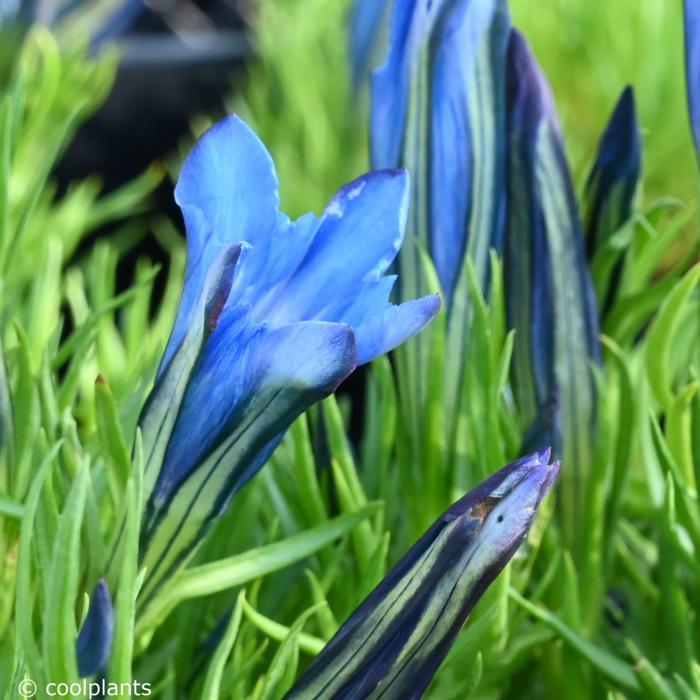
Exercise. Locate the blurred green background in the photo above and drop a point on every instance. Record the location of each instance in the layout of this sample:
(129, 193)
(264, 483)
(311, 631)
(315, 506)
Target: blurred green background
(590, 49)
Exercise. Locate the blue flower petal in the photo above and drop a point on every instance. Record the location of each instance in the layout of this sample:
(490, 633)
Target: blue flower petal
(228, 192)
(95, 638)
(233, 415)
(241, 361)
(379, 333)
(358, 237)
(447, 61)
(410, 21)
(450, 153)
(454, 132)
(160, 412)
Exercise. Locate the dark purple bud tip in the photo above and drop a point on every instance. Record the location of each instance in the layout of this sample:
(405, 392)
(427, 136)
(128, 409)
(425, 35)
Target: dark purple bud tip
(95, 639)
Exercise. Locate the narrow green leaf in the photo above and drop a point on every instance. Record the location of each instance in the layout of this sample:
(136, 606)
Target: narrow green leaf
(675, 631)
(129, 582)
(240, 569)
(661, 336)
(679, 432)
(215, 672)
(10, 508)
(282, 670)
(60, 630)
(654, 684)
(610, 666)
(307, 643)
(24, 588)
(111, 437)
(326, 620)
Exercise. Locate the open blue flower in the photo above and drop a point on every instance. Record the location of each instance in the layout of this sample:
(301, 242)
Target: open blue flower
(274, 314)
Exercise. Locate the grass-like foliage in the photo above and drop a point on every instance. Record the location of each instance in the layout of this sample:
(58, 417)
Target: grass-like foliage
(601, 599)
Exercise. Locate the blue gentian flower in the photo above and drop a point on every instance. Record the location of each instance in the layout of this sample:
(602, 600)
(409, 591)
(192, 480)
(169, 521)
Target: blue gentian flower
(274, 314)
(549, 293)
(438, 109)
(692, 66)
(393, 644)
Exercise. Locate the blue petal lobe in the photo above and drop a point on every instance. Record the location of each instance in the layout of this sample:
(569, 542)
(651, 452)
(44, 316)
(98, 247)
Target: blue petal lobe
(409, 23)
(451, 150)
(228, 192)
(358, 237)
(455, 78)
(242, 361)
(381, 332)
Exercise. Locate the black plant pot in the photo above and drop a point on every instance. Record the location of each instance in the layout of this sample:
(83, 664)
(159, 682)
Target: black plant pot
(165, 77)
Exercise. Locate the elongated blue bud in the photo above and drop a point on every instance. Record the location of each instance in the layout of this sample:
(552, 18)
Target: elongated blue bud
(95, 639)
(438, 110)
(610, 190)
(613, 180)
(549, 294)
(393, 644)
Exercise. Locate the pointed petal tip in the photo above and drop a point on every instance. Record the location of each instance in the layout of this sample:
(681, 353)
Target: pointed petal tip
(627, 97)
(529, 93)
(230, 142)
(388, 187)
(346, 339)
(549, 478)
(545, 455)
(625, 113)
(395, 325)
(431, 306)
